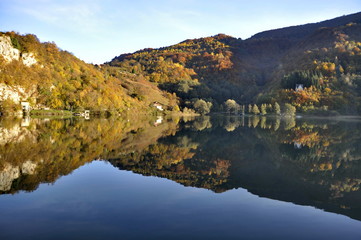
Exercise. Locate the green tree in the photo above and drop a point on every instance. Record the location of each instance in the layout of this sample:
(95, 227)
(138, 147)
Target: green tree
(232, 106)
(289, 110)
(277, 108)
(202, 107)
(250, 111)
(263, 109)
(255, 109)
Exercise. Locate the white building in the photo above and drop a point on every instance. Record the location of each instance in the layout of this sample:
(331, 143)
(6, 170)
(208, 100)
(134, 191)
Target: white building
(25, 106)
(299, 87)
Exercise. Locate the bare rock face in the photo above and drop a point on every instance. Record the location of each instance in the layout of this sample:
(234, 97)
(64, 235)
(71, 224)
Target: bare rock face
(7, 50)
(28, 59)
(10, 53)
(15, 93)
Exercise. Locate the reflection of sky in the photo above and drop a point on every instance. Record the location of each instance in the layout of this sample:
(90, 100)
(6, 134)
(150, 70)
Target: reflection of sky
(98, 30)
(99, 201)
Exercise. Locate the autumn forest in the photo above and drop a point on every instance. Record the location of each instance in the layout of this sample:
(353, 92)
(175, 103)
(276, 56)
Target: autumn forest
(309, 69)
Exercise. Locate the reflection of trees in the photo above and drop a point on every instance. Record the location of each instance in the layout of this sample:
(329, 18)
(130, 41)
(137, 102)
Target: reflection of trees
(263, 123)
(255, 121)
(339, 188)
(277, 124)
(305, 138)
(289, 123)
(231, 123)
(186, 142)
(327, 157)
(46, 150)
(323, 171)
(201, 123)
(176, 162)
(312, 163)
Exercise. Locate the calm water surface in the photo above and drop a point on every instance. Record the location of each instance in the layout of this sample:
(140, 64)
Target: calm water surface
(203, 178)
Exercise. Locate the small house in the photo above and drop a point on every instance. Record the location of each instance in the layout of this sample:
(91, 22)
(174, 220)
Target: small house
(299, 87)
(25, 106)
(158, 106)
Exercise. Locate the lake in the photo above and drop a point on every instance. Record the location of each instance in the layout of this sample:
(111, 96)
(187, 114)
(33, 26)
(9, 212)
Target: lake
(196, 178)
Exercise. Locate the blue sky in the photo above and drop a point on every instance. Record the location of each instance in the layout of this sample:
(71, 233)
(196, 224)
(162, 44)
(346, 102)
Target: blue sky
(98, 30)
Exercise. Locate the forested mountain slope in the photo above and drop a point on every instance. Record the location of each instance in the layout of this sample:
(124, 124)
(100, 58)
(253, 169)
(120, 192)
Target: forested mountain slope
(324, 57)
(48, 77)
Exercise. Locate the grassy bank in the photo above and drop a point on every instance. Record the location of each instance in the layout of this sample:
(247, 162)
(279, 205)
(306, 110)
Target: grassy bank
(50, 113)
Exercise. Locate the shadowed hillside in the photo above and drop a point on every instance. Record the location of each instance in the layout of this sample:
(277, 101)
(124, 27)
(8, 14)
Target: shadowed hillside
(323, 57)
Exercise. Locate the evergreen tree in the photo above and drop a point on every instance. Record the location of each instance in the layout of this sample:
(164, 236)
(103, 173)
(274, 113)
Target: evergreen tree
(263, 109)
(289, 110)
(255, 109)
(277, 109)
(250, 111)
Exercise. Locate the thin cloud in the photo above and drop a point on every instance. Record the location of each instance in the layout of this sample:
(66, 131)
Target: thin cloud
(84, 16)
(177, 21)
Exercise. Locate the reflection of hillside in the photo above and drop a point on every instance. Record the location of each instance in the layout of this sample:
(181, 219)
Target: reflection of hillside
(297, 161)
(46, 150)
(171, 160)
(310, 163)
(11, 131)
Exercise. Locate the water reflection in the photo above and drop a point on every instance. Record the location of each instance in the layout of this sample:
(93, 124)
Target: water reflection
(43, 150)
(308, 162)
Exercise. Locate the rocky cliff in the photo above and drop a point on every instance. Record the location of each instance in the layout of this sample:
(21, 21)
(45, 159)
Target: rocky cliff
(14, 93)
(9, 53)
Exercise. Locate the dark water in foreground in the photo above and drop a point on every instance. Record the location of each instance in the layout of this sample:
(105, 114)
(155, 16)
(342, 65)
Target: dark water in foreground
(253, 178)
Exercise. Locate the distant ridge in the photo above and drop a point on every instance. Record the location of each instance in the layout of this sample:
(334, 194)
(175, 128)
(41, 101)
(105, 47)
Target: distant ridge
(302, 31)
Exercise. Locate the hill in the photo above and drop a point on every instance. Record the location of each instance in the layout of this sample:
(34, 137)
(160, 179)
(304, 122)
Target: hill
(322, 57)
(47, 77)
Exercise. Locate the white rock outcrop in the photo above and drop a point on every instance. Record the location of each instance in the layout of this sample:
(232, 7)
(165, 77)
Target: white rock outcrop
(7, 50)
(14, 93)
(28, 59)
(10, 53)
